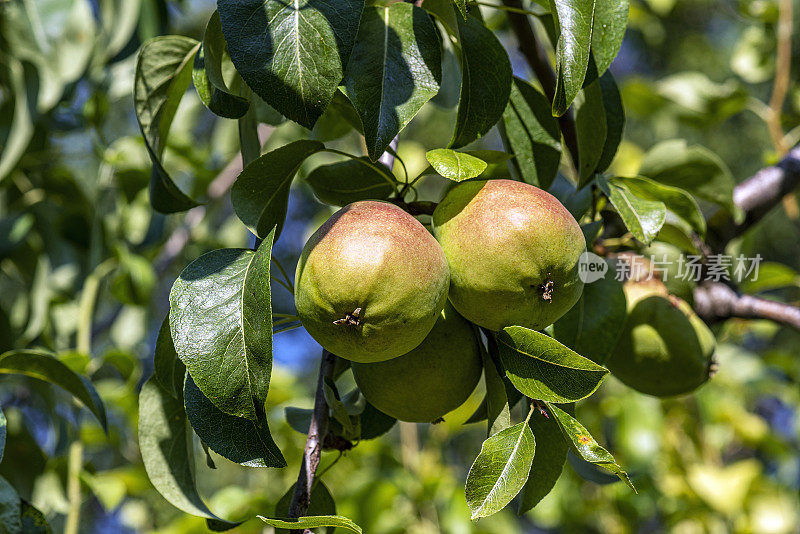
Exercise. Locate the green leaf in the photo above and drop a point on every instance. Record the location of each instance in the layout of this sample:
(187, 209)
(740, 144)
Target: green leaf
(485, 81)
(584, 445)
(608, 29)
(32, 520)
(10, 511)
(548, 461)
(45, 366)
(644, 218)
(590, 123)
(166, 447)
(339, 410)
(292, 54)
(573, 20)
(207, 74)
(168, 369)
(498, 407)
(533, 134)
(692, 168)
(500, 470)
(221, 322)
(375, 423)
(615, 120)
(593, 325)
(260, 195)
(676, 200)
(322, 503)
(542, 368)
(312, 522)
(19, 122)
(770, 276)
(240, 440)
(349, 181)
(3, 432)
(395, 67)
(163, 73)
(457, 166)
(462, 7)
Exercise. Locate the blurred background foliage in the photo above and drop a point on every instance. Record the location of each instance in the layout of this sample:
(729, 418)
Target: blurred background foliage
(86, 266)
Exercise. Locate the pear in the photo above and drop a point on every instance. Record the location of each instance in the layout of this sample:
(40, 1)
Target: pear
(433, 379)
(370, 282)
(513, 251)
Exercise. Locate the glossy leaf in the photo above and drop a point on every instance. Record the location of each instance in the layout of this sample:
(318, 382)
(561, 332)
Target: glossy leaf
(548, 461)
(349, 181)
(584, 445)
(692, 168)
(312, 522)
(166, 448)
(500, 470)
(593, 325)
(457, 166)
(608, 29)
(44, 366)
(676, 200)
(485, 81)
(168, 369)
(590, 123)
(10, 511)
(221, 322)
(573, 20)
(395, 67)
(644, 218)
(292, 54)
(163, 73)
(614, 118)
(322, 503)
(533, 134)
(542, 368)
(207, 74)
(260, 195)
(240, 440)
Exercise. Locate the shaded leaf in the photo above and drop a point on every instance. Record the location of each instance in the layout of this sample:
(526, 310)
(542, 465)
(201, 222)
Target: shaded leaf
(593, 325)
(573, 20)
(44, 366)
(221, 323)
(322, 503)
(395, 67)
(260, 195)
(548, 461)
(375, 423)
(168, 370)
(542, 368)
(3, 432)
(500, 470)
(456, 166)
(615, 120)
(590, 123)
(533, 134)
(485, 81)
(584, 445)
(608, 29)
(676, 200)
(240, 440)
(312, 522)
(163, 73)
(339, 410)
(32, 520)
(644, 218)
(166, 448)
(349, 181)
(19, 122)
(291, 54)
(207, 74)
(692, 168)
(10, 510)
(498, 407)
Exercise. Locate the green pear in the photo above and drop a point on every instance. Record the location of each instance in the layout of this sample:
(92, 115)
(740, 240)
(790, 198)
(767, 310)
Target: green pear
(433, 379)
(513, 251)
(370, 282)
(665, 349)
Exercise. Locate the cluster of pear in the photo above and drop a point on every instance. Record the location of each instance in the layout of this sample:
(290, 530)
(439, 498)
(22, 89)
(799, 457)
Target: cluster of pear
(665, 349)
(372, 286)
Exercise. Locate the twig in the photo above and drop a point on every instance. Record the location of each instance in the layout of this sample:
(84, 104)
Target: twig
(74, 466)
(783, 65)
(301, 498)
(540, 65)
(715, 301)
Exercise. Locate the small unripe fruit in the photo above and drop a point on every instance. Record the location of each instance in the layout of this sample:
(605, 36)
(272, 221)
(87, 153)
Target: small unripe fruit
(513, 251)
(665, 349)
(370, 282)
(433, 379)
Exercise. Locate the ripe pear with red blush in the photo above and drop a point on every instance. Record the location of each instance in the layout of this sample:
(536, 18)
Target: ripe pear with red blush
(513, 251)
(370, 282)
